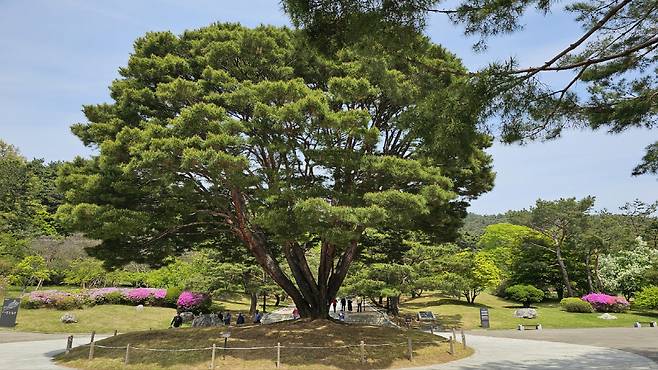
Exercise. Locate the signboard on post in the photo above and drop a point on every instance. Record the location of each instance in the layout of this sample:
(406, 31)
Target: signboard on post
(9, 312)
(426, 316)
(484, 317)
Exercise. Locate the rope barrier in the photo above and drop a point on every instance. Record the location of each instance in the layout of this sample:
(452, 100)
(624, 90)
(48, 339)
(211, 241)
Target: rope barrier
(261, 347)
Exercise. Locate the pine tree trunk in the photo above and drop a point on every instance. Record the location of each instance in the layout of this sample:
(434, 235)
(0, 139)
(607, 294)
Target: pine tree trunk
(563, 270)
(253, 303)
(394, 305)
(590, 283)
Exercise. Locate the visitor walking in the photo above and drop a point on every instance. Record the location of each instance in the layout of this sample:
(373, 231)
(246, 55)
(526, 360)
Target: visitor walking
(177, 321)
(343, 303)
(349, 304)
(333, 303)
(240, 319)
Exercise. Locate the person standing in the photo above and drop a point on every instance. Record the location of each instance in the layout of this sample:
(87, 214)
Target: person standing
(334, 302)
(240, 319)
(257, 317)
(359, 304)
(295, 314)
(177, 321)
(343, 303)
(227, 318)
(349, 304)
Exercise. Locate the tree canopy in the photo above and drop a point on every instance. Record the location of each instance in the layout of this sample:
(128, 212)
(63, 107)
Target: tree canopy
(227, 133)
(611, 66)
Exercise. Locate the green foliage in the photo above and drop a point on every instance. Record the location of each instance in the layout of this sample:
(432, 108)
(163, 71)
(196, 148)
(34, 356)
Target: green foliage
(86, 272)
(573, 304)
(175, 274)
(251, 135)
(525, 294)
(469, 274)
(647, 298)
(172, 296)
(29, 270)
(68, 303)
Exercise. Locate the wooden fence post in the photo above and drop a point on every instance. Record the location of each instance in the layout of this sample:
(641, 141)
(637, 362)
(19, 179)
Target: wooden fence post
(454, 333)
(115, 332)
(69, 343)
(452, 345)
(463, 339)
(363, 352)
(410, 349)
(278, 355)
(93, 335)
(91, 351)
(126, 360)
(212, 360)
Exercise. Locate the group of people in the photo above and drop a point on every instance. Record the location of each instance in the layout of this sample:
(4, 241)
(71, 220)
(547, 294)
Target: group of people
(177, 321)
(346, 304)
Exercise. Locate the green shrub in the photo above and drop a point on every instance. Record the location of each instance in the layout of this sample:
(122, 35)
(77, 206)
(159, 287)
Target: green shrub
(525, 294)
(114, 298)
(28, 303)
(68, 303)
(171, 299)
(573, 304)
(647, 298)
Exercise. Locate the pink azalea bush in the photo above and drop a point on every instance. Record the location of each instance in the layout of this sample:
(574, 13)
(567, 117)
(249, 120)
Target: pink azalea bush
(606, 303)
(192, 301)
(111, 295)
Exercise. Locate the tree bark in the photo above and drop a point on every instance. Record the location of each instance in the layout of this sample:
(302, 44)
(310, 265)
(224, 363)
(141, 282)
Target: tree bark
(310, 297)
(563, 270)
(394, 303)
(253, 303)
(590, 283)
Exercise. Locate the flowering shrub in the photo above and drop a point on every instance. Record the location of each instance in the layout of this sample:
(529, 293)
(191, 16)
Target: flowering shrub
(54, 299)
(66, 301)
(194, 302)
(606, 303)
(149, 296)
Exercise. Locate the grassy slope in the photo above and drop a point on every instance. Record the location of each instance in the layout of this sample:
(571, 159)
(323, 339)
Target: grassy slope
(459, 313)
(106, 318)
(300, 333)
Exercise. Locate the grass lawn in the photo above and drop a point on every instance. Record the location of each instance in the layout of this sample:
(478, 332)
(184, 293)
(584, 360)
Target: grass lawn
(453, 312)
(322, 333)
(107, 318)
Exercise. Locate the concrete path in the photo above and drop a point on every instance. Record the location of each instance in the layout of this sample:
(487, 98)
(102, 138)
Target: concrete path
(35, 353)
(642, 341)
(504, 353)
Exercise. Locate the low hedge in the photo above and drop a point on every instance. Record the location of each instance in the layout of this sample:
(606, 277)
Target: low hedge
(576, 305)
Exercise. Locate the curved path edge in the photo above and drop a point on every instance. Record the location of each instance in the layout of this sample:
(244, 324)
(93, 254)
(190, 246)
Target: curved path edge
(506, 353)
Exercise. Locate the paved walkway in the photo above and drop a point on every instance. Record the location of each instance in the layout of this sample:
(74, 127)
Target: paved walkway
(29, 351)
(493, 353)
(642, 341)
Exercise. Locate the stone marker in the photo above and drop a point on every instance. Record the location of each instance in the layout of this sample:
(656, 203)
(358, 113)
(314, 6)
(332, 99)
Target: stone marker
(140, 307)
(68, 318)
(607, 316)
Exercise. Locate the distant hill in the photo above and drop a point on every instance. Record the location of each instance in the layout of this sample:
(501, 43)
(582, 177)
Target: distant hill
(475, 224)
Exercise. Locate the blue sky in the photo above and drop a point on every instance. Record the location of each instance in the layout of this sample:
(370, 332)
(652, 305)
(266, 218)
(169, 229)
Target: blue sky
(59, 55)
